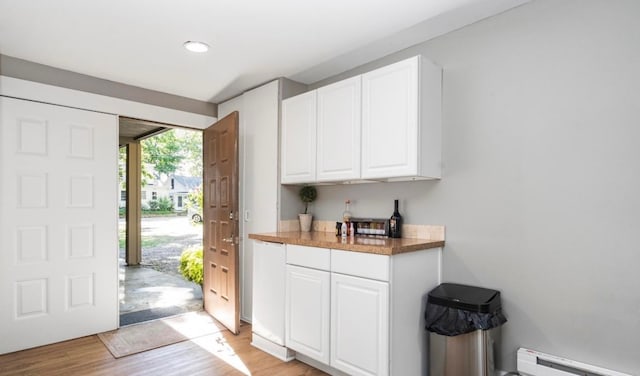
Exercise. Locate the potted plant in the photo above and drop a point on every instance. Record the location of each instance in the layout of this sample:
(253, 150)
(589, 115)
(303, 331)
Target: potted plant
(307, 194)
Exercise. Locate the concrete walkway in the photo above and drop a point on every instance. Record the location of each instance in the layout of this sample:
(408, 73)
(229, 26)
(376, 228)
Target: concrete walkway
(144, 288)
(155, 288)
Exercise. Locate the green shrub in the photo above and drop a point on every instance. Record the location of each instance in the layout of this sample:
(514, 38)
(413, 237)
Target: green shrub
(165, 204)
(194, 198)
(191, 264)
(153, 205)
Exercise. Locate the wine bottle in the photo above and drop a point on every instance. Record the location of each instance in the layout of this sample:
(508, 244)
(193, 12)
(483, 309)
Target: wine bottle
(346, 214)
(395, 223)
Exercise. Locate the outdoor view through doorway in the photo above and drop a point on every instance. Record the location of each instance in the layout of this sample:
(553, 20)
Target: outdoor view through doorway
(170, 227)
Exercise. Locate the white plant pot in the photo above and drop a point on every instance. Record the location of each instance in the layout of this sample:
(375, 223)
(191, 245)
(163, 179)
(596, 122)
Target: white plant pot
(305, 222)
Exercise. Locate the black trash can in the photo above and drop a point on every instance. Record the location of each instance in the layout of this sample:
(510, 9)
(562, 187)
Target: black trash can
(467, 316)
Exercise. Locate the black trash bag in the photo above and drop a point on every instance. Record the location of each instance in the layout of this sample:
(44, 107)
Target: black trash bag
(451, 321)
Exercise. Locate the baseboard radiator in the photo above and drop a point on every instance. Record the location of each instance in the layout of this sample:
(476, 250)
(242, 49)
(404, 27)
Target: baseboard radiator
(534, 363)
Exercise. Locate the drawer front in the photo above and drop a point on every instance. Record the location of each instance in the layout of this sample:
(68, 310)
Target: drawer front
(366, 265)
(310, 257)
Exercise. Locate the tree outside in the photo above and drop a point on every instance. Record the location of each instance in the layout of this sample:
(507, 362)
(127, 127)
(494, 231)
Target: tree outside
(171, 171)
(176, 150)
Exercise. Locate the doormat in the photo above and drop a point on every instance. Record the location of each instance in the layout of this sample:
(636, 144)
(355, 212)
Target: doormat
(149, 314)
(150, 335)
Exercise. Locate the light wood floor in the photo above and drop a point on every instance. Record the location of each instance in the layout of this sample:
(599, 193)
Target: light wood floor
(214, 354)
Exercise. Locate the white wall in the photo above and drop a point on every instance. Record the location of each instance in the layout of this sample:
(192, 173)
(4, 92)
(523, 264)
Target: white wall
(540, 193)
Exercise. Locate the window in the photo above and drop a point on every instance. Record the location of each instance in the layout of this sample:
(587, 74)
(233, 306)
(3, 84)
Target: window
(144, 195)
(154, 195)
(179, 201)
(123, 195)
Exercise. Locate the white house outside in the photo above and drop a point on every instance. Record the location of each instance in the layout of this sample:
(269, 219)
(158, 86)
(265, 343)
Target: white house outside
(174, 187)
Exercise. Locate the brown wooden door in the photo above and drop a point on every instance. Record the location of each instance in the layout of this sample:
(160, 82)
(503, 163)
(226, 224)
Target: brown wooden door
(220, 216)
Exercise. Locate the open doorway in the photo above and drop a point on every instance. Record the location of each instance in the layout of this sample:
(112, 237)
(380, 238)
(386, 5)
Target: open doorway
(160, 194)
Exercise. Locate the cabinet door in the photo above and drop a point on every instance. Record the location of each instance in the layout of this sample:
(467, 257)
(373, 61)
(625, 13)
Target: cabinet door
(390, 119)
(307, 312)
(359, 325)
(268, 291)
(298, 159)
(339, 124)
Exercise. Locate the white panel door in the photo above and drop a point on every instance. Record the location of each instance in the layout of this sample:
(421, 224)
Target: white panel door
(298, 144)
(307, 312)
(390, 119)
(359, 325)
(58, 222)
(339, 109)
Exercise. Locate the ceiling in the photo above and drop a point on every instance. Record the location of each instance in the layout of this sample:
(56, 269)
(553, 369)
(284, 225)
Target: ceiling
(137, 130)
(140, 42)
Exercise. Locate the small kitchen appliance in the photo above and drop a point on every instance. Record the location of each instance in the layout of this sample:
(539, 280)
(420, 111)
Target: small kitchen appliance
(375, 227)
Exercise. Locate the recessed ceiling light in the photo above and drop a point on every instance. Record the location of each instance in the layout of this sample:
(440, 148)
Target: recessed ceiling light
(195, 46)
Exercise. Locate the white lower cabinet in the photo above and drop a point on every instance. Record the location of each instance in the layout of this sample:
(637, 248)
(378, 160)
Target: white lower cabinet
(352, 311)
(359, 313)
(307, 312)
(268, 284)
(359, 325)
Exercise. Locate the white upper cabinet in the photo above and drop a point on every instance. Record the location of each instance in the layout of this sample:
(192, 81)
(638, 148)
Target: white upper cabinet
(401, 121)
(338, 142)
(298, 158)
(384, 125)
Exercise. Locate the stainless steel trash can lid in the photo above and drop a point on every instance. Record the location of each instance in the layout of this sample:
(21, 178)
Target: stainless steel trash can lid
(468, 298)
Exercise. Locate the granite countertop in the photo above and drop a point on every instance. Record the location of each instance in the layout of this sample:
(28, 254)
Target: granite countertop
(382, 246)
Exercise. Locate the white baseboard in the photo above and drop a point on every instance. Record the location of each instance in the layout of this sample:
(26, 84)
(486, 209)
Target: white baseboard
(269, 347)
(321, 366)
